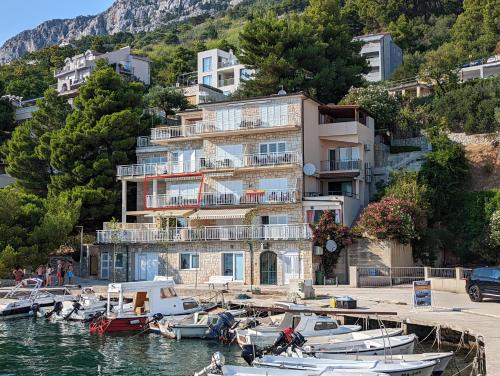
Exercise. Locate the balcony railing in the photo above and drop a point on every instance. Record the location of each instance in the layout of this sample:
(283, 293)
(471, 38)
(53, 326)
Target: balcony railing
(204, 127)
(251, 160)
(227, 63)
(353, 164)
(154, 169)
(209, 233)
(226, 82)
(253, 197)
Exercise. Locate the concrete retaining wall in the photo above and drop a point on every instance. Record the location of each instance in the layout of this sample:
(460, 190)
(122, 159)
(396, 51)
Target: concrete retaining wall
(466, 139)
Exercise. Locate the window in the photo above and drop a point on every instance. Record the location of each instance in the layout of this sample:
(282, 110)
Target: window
(228, 118)
(189, 305)
(155, 160)
(119, 260)
(274, 114)
(185, 190)
(314, 215)
(230, 154)
(190, 261)
(245, 74)
(274, 219)
(207, 80)
(207, 65)
(167, 292)
(272, 147)
(232, 265)
(274, 184)
(325, 326)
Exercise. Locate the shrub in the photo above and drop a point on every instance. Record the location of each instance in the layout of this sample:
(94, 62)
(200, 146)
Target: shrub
(404, 149)
(391, 218)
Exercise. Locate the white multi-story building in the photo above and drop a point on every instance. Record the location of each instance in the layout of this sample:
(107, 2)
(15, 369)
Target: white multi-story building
(481, 69)
(221, 70)
(233, 189)
(382, 54)
(78, 68)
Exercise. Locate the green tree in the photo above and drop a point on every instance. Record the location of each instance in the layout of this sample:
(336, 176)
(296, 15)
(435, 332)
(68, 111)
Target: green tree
(167, 99)
(312, 52)
(182, 60)
(405, 185)
(99, 135)
(28, 153)
(6, 119)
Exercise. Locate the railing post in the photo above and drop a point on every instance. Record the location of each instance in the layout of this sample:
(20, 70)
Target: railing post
(353, 276)
(459, 272)
(427, 272)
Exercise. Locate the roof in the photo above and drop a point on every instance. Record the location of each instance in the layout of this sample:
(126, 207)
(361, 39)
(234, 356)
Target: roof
(374, 35)
(169, 213)
(220, 213)
(344, 106)
(262, 97)
(158, 282)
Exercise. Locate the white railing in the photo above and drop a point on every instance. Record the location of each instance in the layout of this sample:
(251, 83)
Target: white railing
(129, 226)
(155, 169)
(226, 82)
(331, 165)
(204, 127)
(167, 200)
(209, 233)
(251, 160)
(380, 276)
(144, 142)
(443, 272)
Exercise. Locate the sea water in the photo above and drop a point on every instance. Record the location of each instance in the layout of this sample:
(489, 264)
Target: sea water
(38, 347)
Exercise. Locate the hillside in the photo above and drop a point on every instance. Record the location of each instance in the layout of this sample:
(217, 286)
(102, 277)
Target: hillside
(124, 15)
(485, 166)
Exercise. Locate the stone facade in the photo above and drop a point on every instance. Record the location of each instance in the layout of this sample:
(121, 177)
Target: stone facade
(467, 139)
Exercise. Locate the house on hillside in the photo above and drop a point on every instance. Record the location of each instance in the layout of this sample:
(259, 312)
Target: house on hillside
(382, 54)
(233, 189)
(483, 68)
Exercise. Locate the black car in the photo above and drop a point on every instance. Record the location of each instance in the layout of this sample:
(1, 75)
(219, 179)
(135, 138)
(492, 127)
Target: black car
(483, 283)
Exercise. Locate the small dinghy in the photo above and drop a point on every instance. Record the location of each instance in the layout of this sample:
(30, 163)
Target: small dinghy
(442, 359)
(380, 346)
(203, 325)
(390, 367)
(217, 367)
(355, 336)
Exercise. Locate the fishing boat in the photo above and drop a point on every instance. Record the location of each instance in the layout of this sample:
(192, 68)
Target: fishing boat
(199, 325)
(379, 346)
(20, 300)
(217, 367)
(442, 359)
(87, 307)
(308, 324)
(390, 367)
(152, 300)
(355, 336)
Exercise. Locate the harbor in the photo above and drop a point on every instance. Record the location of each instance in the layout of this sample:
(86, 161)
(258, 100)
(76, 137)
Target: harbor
(453, 324)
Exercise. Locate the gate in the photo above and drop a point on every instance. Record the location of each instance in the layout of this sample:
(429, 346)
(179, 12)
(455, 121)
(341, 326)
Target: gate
(382, 276)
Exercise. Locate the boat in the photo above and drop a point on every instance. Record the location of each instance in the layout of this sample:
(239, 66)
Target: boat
(152, 301)
(442, 359)
(199, 325)
(29, 293)
(356, 336)
(308, 324)
(390, 367)
(379, 346)
(86, 308)
(217, 367)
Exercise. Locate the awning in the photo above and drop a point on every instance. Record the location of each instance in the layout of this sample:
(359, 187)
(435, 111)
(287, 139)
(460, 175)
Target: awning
(169, 213)
(220, 213)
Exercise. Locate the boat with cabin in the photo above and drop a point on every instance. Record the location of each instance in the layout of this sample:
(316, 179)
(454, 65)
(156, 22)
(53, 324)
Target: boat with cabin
(152, 300)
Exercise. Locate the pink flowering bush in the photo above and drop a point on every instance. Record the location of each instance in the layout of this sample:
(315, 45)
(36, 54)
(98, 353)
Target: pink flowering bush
(391, 218)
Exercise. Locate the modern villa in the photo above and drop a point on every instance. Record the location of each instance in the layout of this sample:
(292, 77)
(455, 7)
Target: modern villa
(231, 191)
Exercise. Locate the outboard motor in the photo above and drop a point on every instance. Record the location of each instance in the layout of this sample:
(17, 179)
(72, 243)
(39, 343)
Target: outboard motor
(58, 306)
(215, 367)
(157, 317)
(35, 308)
(221, 328)
(76, 307)
(286, 338)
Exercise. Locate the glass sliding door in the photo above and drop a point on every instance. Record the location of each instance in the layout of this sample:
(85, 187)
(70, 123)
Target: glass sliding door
(233, 265)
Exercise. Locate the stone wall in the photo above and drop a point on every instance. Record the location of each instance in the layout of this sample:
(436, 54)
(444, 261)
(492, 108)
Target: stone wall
(420, 142)
(467, 139)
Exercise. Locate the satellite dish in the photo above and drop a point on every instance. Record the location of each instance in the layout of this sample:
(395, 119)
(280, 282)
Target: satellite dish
(309, 169)
(331, 246)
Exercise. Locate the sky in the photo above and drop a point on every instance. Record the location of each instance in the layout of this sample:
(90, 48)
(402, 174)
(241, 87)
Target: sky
(16, 16)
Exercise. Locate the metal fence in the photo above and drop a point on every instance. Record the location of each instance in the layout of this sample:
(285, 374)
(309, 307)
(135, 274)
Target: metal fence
(389, 276)
(443, 272)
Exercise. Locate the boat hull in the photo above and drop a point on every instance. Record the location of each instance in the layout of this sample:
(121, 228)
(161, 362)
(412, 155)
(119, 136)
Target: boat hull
(119, 324)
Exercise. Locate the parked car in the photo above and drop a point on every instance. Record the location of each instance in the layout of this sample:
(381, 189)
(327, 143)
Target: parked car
(483, 283)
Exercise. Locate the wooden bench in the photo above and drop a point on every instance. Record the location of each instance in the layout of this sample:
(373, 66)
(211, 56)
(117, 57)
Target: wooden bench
(223, 280)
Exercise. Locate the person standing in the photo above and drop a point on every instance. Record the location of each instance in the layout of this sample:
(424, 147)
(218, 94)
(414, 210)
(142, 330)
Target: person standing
(69, 268)
(60, 275)
(18, 274)
(40, 273)
(48, 275)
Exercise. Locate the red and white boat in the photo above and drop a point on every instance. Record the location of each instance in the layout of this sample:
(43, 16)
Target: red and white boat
(152, 300)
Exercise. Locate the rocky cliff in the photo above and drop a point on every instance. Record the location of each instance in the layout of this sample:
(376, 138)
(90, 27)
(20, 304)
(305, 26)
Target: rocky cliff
(124, 15)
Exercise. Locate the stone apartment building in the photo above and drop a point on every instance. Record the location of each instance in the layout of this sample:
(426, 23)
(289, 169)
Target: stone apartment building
(233, 189)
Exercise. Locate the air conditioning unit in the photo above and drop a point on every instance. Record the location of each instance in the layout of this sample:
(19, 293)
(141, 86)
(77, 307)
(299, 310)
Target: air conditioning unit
(265, 246)
(368, 147)
(317, 250)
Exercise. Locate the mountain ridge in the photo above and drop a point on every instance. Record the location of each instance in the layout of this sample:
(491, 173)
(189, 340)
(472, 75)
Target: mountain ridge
(123, 15)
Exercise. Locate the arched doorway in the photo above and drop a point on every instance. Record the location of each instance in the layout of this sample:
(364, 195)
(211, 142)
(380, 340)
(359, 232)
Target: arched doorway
(268, 268)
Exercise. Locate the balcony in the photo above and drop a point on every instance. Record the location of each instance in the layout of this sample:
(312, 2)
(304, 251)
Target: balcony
(155, 169)
(346, 165)
(251, 160)
(206, 129)
(299, 231)
(226, 82)
(207, 199)
(227, 63)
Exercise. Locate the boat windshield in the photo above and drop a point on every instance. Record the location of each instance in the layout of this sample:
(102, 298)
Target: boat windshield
(167, 292)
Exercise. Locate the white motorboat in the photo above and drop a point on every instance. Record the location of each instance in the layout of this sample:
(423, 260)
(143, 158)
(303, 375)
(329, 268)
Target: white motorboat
(442, 359)
(20, 300)
(217, 367)
(197, 325)
(152, 301)
(390, 367)
(355, 336)
(379, 346)
(86, 308)
(310, 325)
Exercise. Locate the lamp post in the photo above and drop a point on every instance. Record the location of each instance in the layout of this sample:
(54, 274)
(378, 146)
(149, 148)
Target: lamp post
(81, 248)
